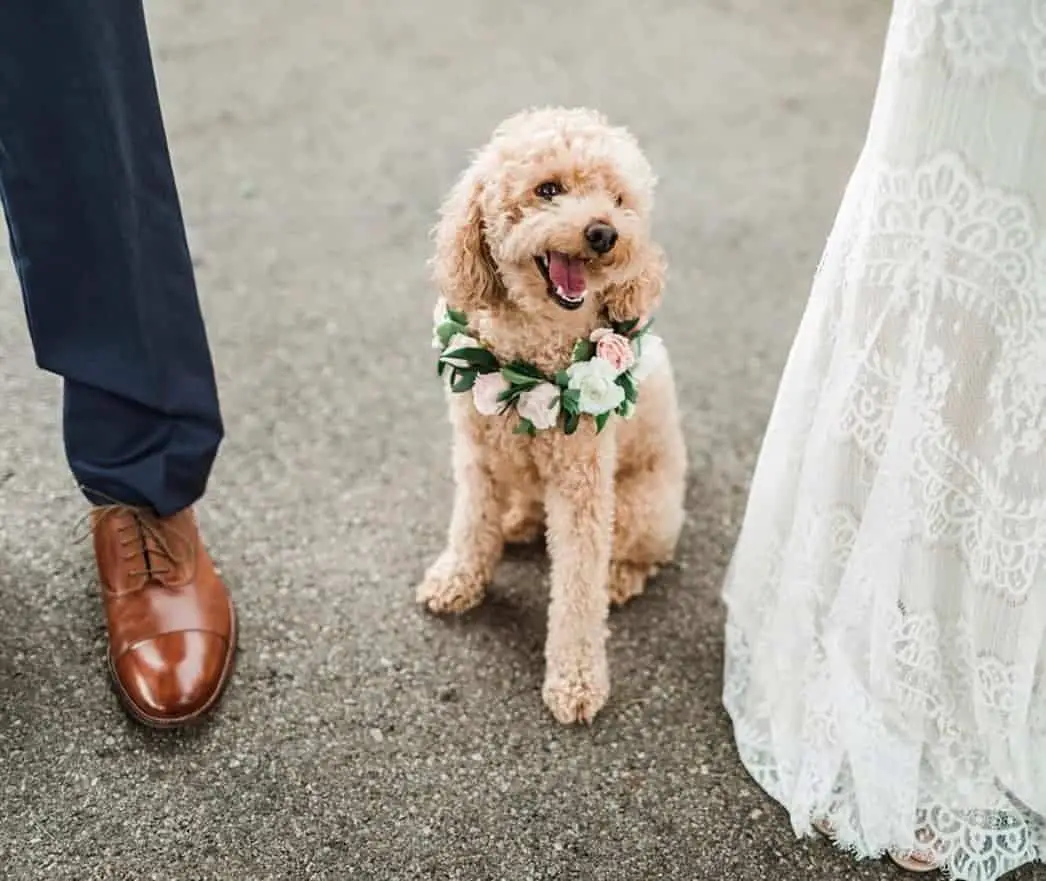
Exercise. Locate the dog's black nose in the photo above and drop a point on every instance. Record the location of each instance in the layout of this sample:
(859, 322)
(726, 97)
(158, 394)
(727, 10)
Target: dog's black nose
(600, 236)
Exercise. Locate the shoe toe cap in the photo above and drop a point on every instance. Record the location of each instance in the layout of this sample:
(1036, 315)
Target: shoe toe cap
(174, 676)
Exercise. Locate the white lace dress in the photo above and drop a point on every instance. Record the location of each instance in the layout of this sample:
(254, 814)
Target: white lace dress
(886, 637)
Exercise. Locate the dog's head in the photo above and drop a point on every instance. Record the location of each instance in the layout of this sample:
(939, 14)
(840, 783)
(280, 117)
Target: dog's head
(553, 214)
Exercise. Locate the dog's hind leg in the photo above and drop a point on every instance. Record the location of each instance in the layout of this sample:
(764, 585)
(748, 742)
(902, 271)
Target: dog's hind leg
(648, 518)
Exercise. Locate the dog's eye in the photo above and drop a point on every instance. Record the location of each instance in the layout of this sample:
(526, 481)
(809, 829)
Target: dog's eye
(619, 201)
(549, 189)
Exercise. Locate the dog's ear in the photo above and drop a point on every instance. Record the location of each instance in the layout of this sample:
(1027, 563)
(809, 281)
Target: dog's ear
(640, 296)
(462, 266)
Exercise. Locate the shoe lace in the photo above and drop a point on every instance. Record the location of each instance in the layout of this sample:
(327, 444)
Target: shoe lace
(157, 549)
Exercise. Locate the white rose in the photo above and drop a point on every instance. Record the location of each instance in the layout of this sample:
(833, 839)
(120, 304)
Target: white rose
(540, 406)
(459, 341)
(485, 392)
(595, 381)
(652, 356)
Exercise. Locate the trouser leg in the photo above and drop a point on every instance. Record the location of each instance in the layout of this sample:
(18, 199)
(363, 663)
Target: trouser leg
(99, 244)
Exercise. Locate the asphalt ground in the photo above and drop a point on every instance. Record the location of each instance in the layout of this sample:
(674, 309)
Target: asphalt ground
(362, 739)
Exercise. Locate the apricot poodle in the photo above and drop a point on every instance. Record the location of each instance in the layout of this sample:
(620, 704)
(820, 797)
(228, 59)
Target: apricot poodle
(563, 405)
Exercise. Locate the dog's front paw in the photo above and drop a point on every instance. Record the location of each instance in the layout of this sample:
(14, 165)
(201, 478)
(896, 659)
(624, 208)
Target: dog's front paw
(447, 589)
(575, 692)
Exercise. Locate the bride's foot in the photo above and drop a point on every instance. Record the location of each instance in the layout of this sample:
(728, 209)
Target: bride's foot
(918, 861)
(915, 862)
(921, 860)
(824, 827)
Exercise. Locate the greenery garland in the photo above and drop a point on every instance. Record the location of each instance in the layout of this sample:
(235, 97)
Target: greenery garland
(602, 379)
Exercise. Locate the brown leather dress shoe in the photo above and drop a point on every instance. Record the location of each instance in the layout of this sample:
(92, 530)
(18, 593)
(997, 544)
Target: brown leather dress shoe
(172, 626)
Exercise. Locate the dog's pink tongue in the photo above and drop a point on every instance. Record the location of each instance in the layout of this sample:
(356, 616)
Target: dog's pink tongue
(566, 273)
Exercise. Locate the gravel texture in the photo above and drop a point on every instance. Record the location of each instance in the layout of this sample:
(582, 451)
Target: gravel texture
(362, 739)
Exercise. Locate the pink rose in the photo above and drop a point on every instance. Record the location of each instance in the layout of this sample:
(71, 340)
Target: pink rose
(613, 348)
(485, 393)
(540, 406)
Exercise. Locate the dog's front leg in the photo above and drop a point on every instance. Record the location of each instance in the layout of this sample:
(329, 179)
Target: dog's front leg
(579, 503)
(458, 578)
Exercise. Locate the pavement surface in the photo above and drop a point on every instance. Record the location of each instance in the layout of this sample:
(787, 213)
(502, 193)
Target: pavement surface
(362, 739)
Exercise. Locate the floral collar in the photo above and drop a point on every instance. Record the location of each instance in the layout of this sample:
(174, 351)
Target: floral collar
(603, 378)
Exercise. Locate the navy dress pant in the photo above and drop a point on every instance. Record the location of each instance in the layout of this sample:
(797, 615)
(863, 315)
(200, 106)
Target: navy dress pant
(99, 245)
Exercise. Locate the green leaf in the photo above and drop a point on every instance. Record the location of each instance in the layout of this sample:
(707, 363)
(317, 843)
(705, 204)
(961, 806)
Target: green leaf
(447, 330)
(525, 369)
(624, 328)
(628, 385)
(464, 380)
(562, 379)
(514, 377)
(601, 421)
(583, 350)
(458, 317)
(510, 395)
(475, 357)
(441, 367)
(570, 400)
(570, 424)
(525, 427)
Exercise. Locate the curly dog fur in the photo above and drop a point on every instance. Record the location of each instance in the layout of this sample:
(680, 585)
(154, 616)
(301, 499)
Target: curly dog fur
(611, 503)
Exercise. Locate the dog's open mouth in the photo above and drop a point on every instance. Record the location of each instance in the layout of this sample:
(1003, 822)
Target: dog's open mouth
(565, 277)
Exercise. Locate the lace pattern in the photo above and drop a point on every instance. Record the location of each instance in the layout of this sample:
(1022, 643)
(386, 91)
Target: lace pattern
(886, 636)
(978, 37)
